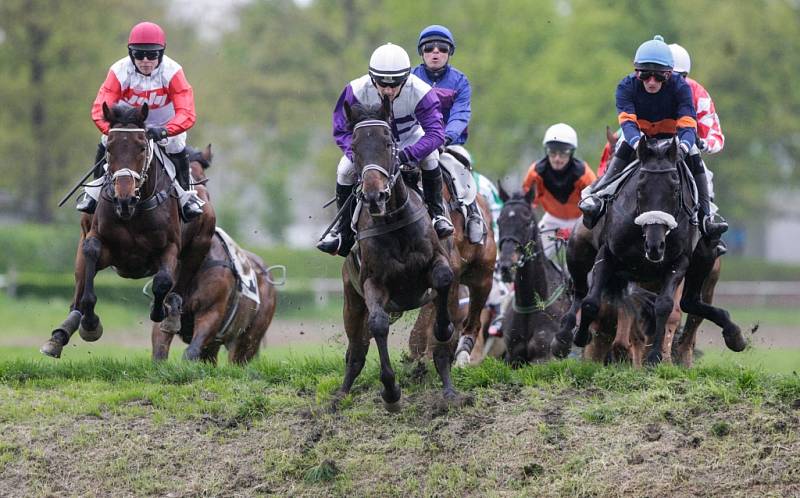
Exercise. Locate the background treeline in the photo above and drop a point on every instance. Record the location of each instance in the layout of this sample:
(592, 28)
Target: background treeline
(266, 76)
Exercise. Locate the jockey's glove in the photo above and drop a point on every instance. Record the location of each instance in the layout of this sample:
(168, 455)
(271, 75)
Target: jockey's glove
(447, 141)
(402, 157)
(156, 133)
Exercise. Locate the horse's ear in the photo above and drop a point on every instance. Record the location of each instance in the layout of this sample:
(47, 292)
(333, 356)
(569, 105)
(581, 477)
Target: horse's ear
(611, 136)
(386, 107)
(642, 150)
(144, 111)
(503, 194)
(207, 154)
(106, 112)
(672, 153)
(348, 112)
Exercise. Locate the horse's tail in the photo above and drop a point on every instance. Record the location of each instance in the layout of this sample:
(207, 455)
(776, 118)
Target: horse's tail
(641, 304)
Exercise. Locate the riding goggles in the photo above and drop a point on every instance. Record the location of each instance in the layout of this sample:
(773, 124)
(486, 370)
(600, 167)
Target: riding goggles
(559, 150)
(660, 76)
(442, 46)
(390, 83)
(146, 54)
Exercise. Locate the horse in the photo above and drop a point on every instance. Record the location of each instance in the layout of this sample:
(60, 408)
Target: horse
(398, 262)
(540, 297)
(199, 162)
(136, 229)
(475, 272)
(646, 236)
(227, 303)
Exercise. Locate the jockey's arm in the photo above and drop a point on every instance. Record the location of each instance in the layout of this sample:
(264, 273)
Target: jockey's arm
(530, 180)
(342, 133)
(182, 97)
(626, 111)
(110, 93)
(428, 113)
(461, 112)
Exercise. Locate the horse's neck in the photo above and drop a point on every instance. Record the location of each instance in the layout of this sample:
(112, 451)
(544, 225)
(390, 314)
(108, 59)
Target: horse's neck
(531, 280)
(157, 179)
(399, 196)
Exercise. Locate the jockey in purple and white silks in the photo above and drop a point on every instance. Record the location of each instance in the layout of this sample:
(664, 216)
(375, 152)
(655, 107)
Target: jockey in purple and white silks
(417, 128)
(436, 45)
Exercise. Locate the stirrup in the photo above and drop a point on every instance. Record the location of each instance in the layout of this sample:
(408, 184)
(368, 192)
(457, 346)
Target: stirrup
(330, 243)
(592, 208)
(86, 204)
(475, 230)
(192, 209)
(713, 229)
(443, 226)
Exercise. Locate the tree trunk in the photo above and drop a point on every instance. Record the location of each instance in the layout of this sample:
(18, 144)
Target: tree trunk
(43, 179)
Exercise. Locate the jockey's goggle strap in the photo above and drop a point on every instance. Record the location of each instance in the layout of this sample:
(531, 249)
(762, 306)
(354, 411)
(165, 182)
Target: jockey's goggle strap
(139, 178)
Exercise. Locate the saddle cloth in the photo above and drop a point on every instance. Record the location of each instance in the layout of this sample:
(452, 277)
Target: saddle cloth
(466, 189)
(246, 274)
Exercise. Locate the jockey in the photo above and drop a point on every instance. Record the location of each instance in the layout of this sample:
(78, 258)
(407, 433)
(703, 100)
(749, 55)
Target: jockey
(146, 75)
(416, 126)
(436, 45)
(558, 180)
(651, 102)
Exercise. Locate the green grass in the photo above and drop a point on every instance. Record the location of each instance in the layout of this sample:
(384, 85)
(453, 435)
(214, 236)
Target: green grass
(769, 360)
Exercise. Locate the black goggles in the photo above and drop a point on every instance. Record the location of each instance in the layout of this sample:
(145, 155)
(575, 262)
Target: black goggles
(660, 76)
(559, 150)
(146, 54)
(392, 83)
(442, 46)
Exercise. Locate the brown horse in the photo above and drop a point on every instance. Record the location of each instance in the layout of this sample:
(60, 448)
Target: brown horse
(474, 272)
(136, 229)
(220, 310)
(399, 262)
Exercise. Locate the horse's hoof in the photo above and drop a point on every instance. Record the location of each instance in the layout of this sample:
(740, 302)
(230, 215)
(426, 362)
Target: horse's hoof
(393, 407)
(582, 338)
(171, 324)
(734, 338)
(391, 397)
(462, 359)
(559, 348)
(653, 358)
(52, 348)
(91, 335)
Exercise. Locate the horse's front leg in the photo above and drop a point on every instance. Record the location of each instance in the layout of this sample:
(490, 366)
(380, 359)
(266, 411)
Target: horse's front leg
(163, 282)
(579, 266)
(376, 297)
(663, 309)
(90, 328)
(590, 306)
(354, 314)
(446, 306)
(472, 327)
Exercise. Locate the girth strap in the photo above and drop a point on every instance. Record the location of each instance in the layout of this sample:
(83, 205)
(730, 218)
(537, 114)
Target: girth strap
(155, 200)
(406, 220)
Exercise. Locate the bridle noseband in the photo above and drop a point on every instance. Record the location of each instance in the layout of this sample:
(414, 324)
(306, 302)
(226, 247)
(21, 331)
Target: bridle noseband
(656, 217)
(528, 250)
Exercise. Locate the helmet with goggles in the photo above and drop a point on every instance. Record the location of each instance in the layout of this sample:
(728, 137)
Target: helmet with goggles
(389, 65)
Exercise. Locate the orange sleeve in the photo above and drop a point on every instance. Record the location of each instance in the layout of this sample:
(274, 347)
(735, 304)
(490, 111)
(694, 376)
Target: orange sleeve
(110, 93)
(182, 96)
(530, 179)
(587, 178)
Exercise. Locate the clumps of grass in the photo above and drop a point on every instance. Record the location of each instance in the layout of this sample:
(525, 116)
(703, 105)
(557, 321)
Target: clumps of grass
(720, 428)
(324, 472)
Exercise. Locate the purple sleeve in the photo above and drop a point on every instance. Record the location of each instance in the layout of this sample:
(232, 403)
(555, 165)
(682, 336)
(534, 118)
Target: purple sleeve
(342, 133)
(429, 114)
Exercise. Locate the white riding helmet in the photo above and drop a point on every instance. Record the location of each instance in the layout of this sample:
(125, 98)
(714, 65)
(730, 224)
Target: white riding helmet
(389, 65)
(683, 63)
(561, 132)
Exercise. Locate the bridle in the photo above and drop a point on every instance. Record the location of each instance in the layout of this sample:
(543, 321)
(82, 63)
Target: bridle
(138, 178)
(656, 217)
(528, 249)
(391, 176)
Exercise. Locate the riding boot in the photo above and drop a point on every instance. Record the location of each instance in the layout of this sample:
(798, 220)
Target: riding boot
(592, 205)
(340, 239)
(710, 228)
(86, 203)
(474, 224)
(191, 204)
(432, 191)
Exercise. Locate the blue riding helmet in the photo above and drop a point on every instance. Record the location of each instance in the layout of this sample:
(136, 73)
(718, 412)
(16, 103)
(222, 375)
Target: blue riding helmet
(653, 55)
(436, 32)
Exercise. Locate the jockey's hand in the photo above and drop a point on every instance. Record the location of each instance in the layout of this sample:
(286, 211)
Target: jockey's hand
(402, 157)
(447, 142)
(156, 133)
(702, 144)
(683, 151)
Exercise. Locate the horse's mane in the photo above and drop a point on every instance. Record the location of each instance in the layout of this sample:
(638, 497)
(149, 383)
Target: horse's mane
(123, 114)
(362, 112)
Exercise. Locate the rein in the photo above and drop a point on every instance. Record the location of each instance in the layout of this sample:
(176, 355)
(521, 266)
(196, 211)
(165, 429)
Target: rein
(367, 123)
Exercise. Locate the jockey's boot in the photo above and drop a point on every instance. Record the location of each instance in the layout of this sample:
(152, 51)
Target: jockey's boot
(432, 191)
(86, 202)
(191, 204)
(474, 224)
(340, 239)
(593, 206)
(709, 228)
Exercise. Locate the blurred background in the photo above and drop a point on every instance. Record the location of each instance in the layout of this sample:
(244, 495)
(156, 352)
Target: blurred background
(266, 75)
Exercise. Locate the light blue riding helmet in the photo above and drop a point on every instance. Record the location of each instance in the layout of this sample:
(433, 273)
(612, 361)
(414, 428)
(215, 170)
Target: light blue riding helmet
(654, 55)
(436, 32)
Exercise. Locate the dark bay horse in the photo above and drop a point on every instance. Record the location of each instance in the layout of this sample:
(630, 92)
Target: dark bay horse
(399, 259)
(136, 228)
(647, 237)
(540, 297)
(225, 305)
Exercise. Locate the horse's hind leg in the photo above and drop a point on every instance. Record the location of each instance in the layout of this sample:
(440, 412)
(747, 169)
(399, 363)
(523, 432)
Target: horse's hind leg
(446, 303)
(684, 350)
(472, 327)
(173, 305)
(161, 342)
(691, 302)
(663, 307)
(354, 314)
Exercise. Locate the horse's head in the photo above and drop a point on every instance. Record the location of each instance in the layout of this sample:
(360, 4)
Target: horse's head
(374, 153)
(199, 162)
(658, 194)
(518, 232)
(128, 154)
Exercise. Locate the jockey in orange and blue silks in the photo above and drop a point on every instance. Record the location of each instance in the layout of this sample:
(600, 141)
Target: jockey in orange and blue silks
(655, 103)
(148, 76)
(417, 128)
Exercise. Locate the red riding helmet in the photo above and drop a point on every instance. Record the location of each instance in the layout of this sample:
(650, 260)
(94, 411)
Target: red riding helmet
(147, 36)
